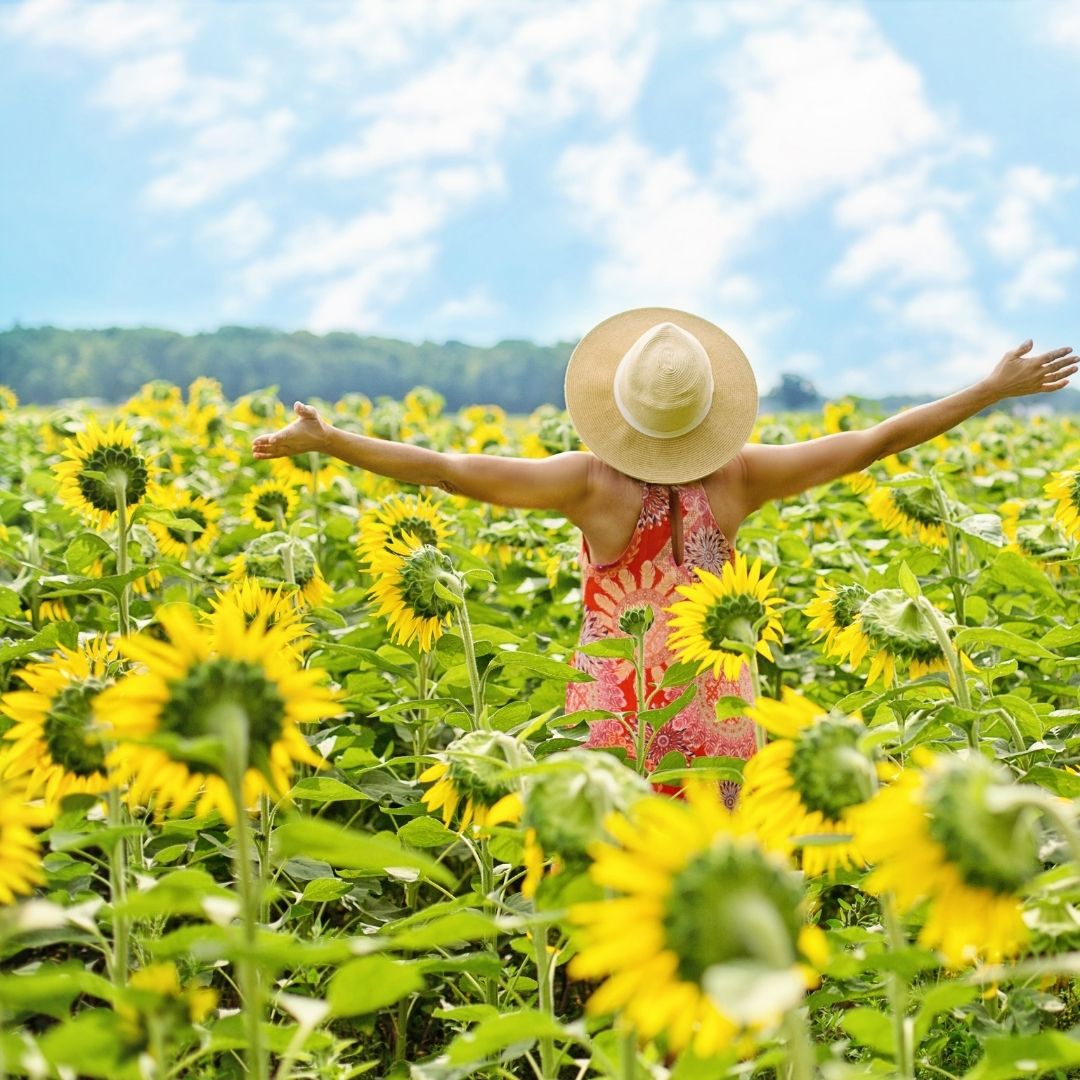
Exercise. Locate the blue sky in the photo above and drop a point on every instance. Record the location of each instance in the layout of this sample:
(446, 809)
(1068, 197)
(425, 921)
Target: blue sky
(881, 196)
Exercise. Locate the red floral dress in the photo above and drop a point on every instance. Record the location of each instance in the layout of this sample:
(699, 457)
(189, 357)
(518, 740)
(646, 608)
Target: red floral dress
(646, 573)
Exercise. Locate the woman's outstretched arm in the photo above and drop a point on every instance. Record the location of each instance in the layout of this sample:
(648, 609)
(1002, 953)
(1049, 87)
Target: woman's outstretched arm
(775, 472)
(557, 483)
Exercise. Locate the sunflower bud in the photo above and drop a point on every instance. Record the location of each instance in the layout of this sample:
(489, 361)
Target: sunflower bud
(827, 768)
(568, 804)
(264, 559)
(635, 621)
(481, 765)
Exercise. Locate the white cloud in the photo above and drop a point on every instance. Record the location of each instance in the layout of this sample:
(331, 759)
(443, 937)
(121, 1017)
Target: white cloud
(106, 28)
(1059, 23)
(474, 306)
(218, 157)
(239, 233)
(1016, 237)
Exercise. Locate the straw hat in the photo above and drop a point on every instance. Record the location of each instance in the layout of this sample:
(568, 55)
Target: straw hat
(661, 395)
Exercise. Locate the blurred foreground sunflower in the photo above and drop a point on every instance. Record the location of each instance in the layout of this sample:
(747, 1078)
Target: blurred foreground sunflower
(739, 605)
(172, 718)
(940, 833)
(20, 850)
(799, 787)
(100, 466)
(56, 739)
(705, 942)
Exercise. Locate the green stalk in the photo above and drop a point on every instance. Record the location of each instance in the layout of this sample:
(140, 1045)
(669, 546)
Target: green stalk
(755, 677)
(800, 1050)
(629, 1055)
(231, 719)
(286, 549)
(639, 734)
(545, 990)
(119, 486)
(951, 533)
(455, 587)
(487, 887)
(420, 737)
(313, 465)
(118, 894)
(898, 992)
(952, 657)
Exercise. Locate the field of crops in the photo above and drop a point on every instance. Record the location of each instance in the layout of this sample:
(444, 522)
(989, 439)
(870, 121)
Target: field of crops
(288, 787)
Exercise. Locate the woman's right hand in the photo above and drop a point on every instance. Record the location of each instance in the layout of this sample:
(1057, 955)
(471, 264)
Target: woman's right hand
(306, 433)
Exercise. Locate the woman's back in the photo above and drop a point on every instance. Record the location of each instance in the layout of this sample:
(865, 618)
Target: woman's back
(648, 572)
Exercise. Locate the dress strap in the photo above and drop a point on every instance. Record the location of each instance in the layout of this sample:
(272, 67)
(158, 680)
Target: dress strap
(676, 523)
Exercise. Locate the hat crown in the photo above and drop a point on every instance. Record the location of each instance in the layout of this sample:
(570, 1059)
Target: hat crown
(663, 385)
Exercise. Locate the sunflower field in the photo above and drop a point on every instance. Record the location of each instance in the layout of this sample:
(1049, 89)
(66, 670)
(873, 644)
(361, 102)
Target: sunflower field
(288, 787)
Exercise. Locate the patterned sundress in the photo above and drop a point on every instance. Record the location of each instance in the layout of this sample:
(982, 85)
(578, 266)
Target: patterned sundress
(646, 573)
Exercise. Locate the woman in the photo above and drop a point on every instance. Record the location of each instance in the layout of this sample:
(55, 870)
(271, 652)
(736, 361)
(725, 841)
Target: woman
(665, 401)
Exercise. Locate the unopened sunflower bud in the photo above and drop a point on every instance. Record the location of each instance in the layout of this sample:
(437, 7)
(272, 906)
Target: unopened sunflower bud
(636, 621)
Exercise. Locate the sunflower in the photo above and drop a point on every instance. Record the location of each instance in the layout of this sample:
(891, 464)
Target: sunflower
(100, 462)
(938, 833)
(153, 996)
(913, 512)
(9, 400)
(270, 607)
(1034, 539)
(270, 504)
(477, 770)
(1065, 488)
(56, 740)
(739, 605)
(20, 851)
(167, 718)
(894, 629)
(838, 414)
(265, 561)
(699, 897)
(173, 541)
(395, 516)
(404, 589)
(833, 609)
(803, 782)
(297, 472)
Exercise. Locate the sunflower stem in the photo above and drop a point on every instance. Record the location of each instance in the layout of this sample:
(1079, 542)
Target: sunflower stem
(313, 465)
(755, 680)
(898, 991)
(119, 486)
(546, 994)
(465, 627)
(639, 674)
(118, 894)
(951, 533)
(487, 887)
(286, 548)
(232, 720)
(800, 1051)
(629, 1055)
(952, 657)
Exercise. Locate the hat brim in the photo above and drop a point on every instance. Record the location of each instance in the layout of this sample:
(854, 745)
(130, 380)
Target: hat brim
(590, 400)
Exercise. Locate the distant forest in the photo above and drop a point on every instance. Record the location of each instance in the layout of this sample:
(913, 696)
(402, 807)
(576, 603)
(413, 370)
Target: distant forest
(45, 365)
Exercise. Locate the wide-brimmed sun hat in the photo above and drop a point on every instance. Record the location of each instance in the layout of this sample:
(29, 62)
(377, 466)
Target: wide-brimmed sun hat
(661, 395)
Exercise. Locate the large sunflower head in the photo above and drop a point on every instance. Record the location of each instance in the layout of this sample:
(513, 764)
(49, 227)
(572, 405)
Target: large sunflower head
(171, 718)
(101, 467)
(1064, 488)
(265, 561)
(187, 506)
(797, 790)
(389, 521)
(700, 907)
(739, 605)
(405, 575)
(269, 504)
(895, 630)
(833, 609)
(911, 511)
(20, 850)
(56, 739)
(479, 771)
(942, 832)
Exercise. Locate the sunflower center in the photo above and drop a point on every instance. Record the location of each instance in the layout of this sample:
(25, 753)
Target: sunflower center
(992, 849)
(121, 467)
(846, 601)
(913, 503)
(893, 621)
(192, 513)
(828, 771)
(70, 732)
(269, 503)
(1074, 495)
(419, 572)
(418, 526)
(727, 904)
(194, 698)
(731, 618)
